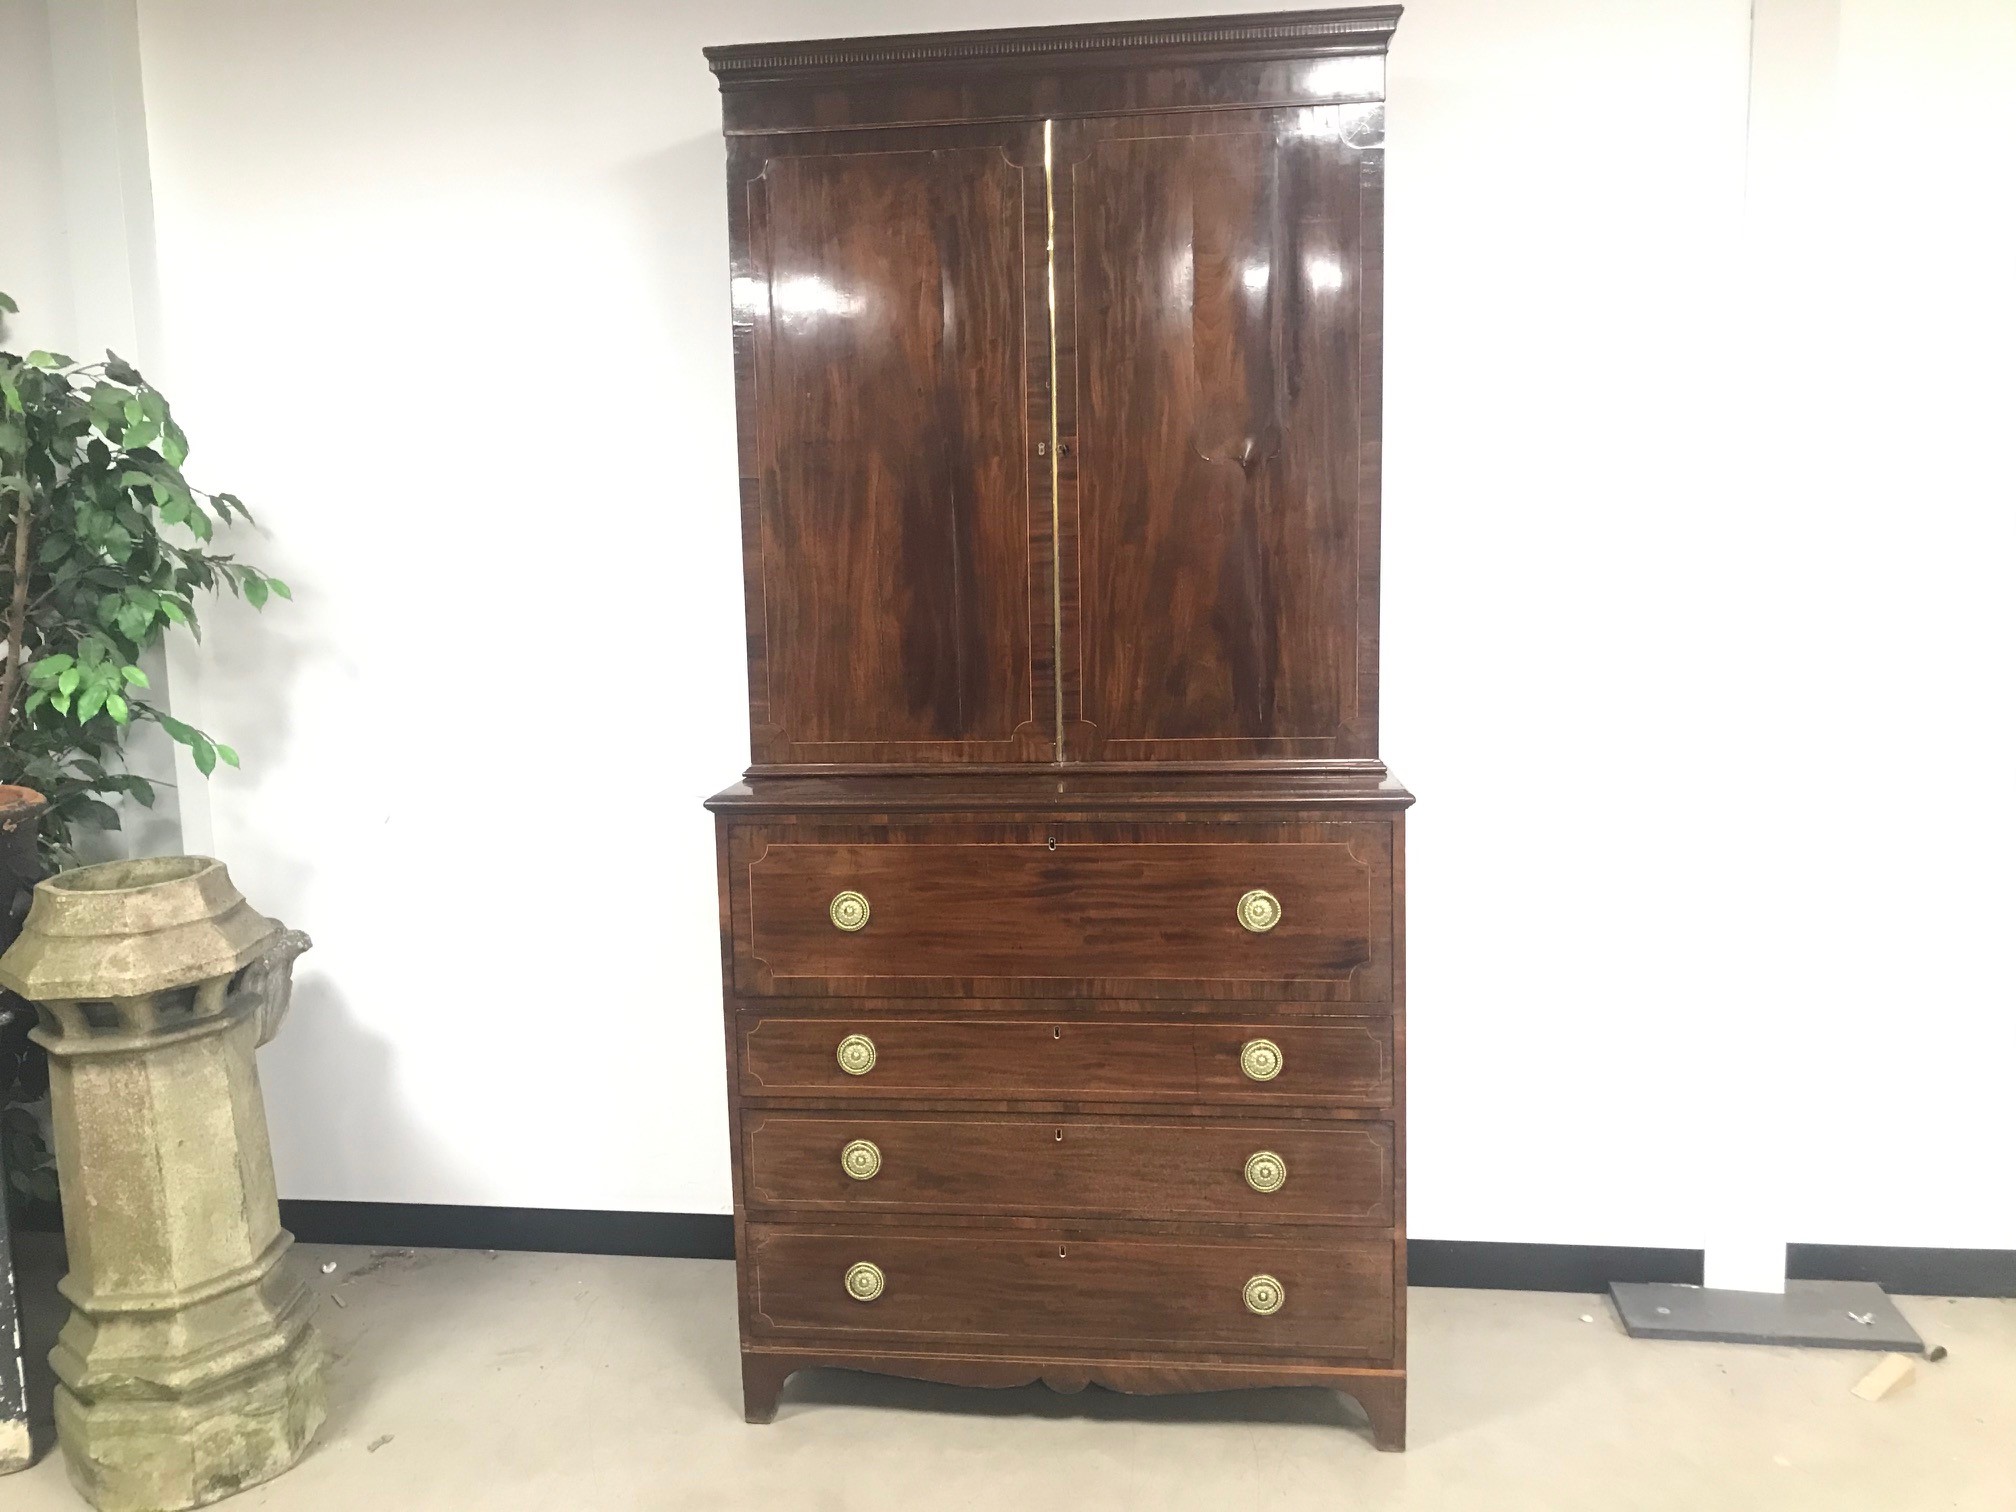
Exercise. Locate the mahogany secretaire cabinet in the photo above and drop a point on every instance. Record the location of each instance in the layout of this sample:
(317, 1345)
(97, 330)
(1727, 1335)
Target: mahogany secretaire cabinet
(1061, 905)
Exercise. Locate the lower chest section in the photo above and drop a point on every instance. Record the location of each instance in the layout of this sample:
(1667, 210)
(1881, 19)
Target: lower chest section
(1126, 1088)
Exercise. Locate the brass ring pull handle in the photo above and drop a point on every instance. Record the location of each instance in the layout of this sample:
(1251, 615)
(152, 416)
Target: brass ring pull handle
(1265, 1171)
(1259, 911)
(861, 1160)
(864, 1281)
(856, 1055)
(1260, 1060)
(849, 911)
(1263, 1295)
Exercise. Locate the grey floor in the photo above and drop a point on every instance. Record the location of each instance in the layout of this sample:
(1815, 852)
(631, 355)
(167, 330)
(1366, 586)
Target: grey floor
(499, 1382)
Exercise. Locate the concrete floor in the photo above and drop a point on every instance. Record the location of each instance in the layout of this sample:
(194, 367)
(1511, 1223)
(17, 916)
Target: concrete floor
(497, 1382)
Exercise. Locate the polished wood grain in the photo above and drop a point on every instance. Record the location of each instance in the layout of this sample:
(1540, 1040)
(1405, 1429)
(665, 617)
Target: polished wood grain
(1074, 792)
(1105, 68)
(1156, 1062)
(1070, 1167)
(1073, 1289)
(899, 583)
(1071, 909)
(1215, 265)
(1054, 708)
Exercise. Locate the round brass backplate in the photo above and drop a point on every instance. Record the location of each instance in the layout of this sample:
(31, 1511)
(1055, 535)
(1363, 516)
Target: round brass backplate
(1265, 1171)
(856, 1055)
(1259, 911)
(862, 1160)
(864, 1281)
(1263, 1295)
(1260, 1059)
(849, 911)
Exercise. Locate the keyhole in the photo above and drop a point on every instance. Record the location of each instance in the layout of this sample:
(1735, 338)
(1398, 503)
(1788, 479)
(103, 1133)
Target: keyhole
(1060, 1136)
(1052, 842)
(1060, 1252)
(1057, 1032)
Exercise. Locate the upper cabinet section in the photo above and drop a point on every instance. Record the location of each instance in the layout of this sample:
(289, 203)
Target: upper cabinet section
(1219, 416)
(1168, 554)
(891, 353)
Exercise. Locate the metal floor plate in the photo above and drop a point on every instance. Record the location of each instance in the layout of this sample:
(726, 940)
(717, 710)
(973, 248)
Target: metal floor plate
(1810, 1314)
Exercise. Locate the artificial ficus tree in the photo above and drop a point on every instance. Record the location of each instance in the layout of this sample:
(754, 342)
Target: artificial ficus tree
(105, 547)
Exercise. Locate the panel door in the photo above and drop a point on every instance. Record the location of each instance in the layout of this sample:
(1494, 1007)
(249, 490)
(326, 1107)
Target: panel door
(1219, 342)
(892, 340)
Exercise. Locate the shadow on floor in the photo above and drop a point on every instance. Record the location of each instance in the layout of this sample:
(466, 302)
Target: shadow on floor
(1317, 1405)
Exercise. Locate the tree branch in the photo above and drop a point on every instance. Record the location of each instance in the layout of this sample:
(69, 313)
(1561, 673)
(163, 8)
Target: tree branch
(17, 616)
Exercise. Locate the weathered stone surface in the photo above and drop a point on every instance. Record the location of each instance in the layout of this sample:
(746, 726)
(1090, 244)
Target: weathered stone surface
(189, 1368)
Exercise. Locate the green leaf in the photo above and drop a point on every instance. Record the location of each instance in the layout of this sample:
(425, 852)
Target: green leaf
(116, 707)
(7, 304)
(67, 683)
(134, 478)
(47, 360)
(92, 701)
(135, 676)
(205, 755)
(187, 734)
(175, 611)
(230, 756)
(48, 667)
(89, 811)
(119, 370)
(280, 588)
(255, 590)
(174, 444)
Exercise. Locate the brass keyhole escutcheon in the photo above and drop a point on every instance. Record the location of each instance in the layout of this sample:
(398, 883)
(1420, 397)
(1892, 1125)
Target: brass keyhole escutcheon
(1266, 1171)
(861, 1159)
(1260, 1060)
(856, 1055)
(1263, 1295)
(1259, 911)
(848, 911)
(864, 1281)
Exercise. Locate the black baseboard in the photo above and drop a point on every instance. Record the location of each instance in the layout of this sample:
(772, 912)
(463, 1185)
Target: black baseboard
(571, 1231)
(1907, 1271)
(1488, 1266)
(1544, 1267)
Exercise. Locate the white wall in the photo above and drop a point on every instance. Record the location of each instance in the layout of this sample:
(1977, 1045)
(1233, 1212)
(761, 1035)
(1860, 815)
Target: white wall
(34, 262)
(1692, 628)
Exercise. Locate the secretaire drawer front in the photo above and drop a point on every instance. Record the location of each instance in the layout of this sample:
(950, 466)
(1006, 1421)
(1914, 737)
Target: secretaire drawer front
(1231, 910)
(1328, 1294)
(1345, 1062)
(1192, 1170)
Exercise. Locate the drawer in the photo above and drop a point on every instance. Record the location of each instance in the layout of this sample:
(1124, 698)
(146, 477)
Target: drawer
(1334, 1291)
(1341, 1061)
(1194, 1170)
(1079, 909)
